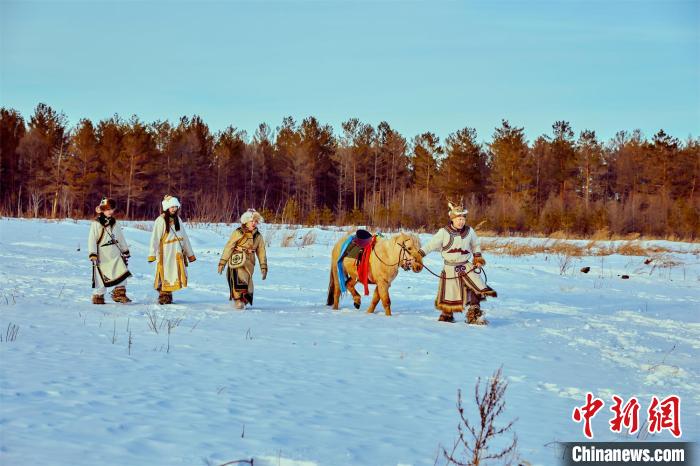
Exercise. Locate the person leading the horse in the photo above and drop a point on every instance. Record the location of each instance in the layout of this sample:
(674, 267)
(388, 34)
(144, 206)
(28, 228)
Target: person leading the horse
(239, 254)
(460, 281)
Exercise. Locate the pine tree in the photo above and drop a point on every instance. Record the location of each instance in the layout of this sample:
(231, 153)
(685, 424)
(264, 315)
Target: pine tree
(464, 170)
(138, 148)
(268, 181)
(426, 152)
(41, 153)
(319, 146)
(590, 164)
(358, 138)
(562, 163)
(228, 153)
(511, 178)
(109, 143)
(392, 148)
(12, 130)
(287, 144)
(662, 153)
(83, 166)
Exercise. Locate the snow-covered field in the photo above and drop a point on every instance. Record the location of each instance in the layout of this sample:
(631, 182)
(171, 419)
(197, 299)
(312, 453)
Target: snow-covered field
(291, 382)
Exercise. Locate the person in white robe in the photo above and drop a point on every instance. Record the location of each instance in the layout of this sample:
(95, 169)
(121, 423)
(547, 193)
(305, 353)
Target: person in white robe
(461, 282)
(109, 253)
(170, 248)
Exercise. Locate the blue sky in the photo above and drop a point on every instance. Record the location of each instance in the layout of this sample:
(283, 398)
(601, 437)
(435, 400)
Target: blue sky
(420, 65)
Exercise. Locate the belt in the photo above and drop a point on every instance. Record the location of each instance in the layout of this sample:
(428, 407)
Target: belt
(454, 264)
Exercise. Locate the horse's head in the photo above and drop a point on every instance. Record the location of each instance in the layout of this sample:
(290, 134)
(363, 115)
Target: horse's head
(410, 257)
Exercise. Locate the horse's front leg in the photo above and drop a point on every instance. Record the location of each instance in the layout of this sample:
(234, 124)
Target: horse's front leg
(375, 301)
(356, 298)
(383, 290)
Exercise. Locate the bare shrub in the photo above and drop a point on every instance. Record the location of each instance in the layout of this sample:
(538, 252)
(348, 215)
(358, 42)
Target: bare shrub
(632, 248)
(663, 261)
(143, 226)
(513, 248)
(153, 318)
(172, 324)
(270, 236)
(658, 249)
(565, 263)
(8, 296)
(209, 208)
(156, 324)
(288, 239)
(517, 248)
(602, 234)
(567, 249)
(474, 441)
(10, 333)
(591, 247)
(309, 238)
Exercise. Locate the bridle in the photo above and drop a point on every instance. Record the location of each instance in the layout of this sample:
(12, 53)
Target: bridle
(405, 257)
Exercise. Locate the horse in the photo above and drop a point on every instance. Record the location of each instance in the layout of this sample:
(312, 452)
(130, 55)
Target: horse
(388, 255)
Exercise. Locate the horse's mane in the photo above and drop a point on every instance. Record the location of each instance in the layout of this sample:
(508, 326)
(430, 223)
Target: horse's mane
(412, 236)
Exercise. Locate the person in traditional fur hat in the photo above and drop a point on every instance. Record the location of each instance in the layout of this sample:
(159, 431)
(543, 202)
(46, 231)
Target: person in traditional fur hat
(109, 253)
(460, 282)
(170, 247)
(248, 241)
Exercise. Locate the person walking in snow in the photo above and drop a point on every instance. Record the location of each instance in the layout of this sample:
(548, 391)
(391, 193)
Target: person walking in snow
(109, 253)
(460, 281)
(239, 254)
(170, 247)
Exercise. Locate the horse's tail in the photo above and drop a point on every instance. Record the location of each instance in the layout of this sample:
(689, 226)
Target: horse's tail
(331, 290)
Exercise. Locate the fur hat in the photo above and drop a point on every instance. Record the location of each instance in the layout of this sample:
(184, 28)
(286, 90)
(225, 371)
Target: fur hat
(457, 210)
(251, 214)
(170, 201)
(106, 204)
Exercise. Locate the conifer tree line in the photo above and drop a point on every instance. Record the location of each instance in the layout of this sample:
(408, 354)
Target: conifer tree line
(307, 172)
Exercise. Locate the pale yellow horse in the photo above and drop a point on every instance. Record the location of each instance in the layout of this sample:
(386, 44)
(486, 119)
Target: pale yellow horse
(388, 255)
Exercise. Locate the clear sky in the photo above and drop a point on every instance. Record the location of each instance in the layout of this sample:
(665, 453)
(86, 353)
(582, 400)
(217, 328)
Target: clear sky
(420, 65)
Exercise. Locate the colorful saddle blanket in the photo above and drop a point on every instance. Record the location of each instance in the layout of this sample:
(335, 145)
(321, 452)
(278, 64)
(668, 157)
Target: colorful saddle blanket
(358, 247)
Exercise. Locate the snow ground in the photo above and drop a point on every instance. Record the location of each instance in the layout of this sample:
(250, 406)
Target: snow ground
(291, 382)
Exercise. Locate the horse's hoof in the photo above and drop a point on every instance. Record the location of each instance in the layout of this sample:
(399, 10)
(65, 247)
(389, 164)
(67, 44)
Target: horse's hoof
(357, 305)
(388, 314)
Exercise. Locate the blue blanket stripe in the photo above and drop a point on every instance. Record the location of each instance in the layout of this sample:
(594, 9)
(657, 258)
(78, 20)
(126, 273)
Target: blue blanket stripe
(341, 275)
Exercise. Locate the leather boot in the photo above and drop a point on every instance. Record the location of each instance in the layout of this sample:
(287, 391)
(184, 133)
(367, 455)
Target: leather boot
(475, 316)
(119, 295)
(98, 299)
(165, 297)
(446, 317)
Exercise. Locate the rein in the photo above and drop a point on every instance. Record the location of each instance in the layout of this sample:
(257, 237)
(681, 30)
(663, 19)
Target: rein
(474, 268)
(403, 258)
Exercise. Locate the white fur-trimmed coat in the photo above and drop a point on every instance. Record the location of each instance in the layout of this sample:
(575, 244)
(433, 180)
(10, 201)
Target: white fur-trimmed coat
(169, 249)
(111, 269)
(457, 247)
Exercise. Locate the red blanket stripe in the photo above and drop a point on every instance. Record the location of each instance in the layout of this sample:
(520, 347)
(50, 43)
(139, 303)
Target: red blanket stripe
(363, 267)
